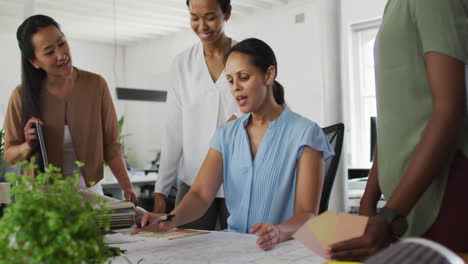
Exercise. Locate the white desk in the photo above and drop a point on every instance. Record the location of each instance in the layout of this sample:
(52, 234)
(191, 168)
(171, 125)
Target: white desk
(110, 184)
(215, 247)
(134, 179)
(356, 189)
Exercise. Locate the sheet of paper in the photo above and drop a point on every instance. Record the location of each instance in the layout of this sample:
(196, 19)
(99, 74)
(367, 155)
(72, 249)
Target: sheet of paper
(125, 231)
(306, 237)
(323, 227)
(215, 247)
(349, 226)
(269, 260)
(118, 238)
(328, 228)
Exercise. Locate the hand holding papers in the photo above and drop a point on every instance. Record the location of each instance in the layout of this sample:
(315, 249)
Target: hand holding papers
(376, 237)
(320, 232)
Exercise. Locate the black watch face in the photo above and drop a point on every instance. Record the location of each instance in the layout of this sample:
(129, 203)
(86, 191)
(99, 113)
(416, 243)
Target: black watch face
(399, 226)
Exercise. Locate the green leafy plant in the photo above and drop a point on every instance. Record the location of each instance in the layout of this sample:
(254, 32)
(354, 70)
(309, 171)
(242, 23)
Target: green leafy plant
(49, 222)
(121, 124)
(127, 151)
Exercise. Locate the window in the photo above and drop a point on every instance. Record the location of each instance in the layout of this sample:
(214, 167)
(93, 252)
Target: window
(362, 92)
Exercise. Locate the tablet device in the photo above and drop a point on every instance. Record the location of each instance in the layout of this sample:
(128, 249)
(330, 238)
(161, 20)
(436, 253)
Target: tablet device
(40, 137)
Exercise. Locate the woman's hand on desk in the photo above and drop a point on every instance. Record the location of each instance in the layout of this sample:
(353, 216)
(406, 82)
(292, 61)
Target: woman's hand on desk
(149, 223)
(131, 196)
(268, 235)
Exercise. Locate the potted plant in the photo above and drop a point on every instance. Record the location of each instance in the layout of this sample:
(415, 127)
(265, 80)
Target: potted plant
(49, 222)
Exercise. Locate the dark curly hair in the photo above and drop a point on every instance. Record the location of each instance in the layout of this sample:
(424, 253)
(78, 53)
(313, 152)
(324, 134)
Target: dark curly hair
(224, 4)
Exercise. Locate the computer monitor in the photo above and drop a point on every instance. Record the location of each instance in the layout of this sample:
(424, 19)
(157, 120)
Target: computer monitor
(373, 136)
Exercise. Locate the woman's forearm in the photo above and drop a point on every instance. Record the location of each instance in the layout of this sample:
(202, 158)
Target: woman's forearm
(18, 153)
(118, 168)
(192, 207)
(372, 192)
(288, 228)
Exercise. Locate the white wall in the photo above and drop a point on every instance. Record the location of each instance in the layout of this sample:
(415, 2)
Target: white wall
(308, 67)
(9, 69)
(102, 59)
(147, 67)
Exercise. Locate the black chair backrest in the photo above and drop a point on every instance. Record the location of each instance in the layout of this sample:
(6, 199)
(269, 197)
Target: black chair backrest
(335, 134)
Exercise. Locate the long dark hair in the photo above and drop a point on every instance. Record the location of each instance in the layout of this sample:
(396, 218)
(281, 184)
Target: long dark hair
(224, 4)
(262, 56)
(31, 78)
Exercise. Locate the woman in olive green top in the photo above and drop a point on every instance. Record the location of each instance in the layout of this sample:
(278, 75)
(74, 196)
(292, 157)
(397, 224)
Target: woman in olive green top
(422, 166)
(74, 107)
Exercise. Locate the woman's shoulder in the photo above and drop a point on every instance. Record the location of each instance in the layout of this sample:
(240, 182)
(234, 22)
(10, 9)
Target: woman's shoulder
(188, 56)
(16, 94)
(17, 91)
(88, 76)
(90, 80)
(233, 123)
(232, 127)
(302, 123)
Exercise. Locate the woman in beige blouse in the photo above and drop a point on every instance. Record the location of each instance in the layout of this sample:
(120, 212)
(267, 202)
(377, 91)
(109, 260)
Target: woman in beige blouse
(74, 107)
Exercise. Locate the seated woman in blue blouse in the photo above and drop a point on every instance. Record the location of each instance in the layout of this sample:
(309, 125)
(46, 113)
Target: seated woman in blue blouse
(271, 160)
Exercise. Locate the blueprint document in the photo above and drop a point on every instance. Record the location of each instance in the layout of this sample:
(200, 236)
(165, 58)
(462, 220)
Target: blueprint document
(215, 247)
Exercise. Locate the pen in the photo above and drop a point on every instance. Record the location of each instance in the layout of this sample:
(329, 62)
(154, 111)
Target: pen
(161, 219)
(165, 218)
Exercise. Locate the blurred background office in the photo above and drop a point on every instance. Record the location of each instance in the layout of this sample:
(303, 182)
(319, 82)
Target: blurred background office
(324, 48)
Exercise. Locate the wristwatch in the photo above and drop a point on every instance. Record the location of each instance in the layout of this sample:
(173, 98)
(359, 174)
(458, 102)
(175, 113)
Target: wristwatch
(397, 223)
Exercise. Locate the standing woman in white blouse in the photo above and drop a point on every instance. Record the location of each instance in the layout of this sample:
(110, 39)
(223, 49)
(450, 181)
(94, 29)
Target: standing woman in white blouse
(198, 101)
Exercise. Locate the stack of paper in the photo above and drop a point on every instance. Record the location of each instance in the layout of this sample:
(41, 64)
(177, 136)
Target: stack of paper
(328, 228)
(121, 214)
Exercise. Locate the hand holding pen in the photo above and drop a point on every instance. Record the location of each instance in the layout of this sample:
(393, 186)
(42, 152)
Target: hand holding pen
(151, 222)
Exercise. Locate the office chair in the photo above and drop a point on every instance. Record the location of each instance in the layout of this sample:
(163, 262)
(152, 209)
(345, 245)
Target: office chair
(335, 134)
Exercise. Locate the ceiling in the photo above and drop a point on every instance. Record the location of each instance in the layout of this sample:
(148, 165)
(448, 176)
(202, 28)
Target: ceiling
(117, 21)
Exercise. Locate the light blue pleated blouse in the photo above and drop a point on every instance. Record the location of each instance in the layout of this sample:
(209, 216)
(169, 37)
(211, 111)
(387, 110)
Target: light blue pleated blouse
(263, 190)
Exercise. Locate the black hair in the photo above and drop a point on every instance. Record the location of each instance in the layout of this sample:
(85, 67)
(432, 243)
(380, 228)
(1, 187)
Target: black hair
(262, 56)
(224, 4)
(31, 78)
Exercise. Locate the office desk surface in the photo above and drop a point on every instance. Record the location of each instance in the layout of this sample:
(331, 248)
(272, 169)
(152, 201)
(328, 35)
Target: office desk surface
(215, 247)
(134, 179)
